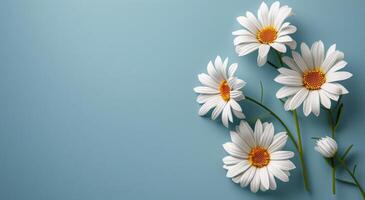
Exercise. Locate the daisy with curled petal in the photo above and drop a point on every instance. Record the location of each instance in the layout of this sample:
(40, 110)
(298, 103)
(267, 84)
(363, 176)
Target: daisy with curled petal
(312, 78)
(221, 91)
(266, 31)
(256, 156)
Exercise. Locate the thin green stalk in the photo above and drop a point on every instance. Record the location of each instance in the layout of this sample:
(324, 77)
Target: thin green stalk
(290, 134)
(332, 125)
(301, 156)
(342, 162)
(333, 176)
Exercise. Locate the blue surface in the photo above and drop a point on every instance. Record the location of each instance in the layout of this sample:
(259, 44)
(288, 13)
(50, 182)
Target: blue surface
(97, 101)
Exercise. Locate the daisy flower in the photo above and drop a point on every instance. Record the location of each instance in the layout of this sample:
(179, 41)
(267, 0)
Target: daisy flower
(312, 78)
(266, 31)
(256, 157)
(221, 91)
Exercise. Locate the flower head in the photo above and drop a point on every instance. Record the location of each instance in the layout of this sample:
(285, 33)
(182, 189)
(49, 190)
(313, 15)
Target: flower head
(266, 31)
(256, 156)
(326, 146)
(312, 78)
(221, 91)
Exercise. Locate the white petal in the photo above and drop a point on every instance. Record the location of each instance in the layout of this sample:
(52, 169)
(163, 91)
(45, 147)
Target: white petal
(289, 80)
(299, 61)
(213, 72)
(334, 97)
(247, 176)
(267, 136)
(307, 104)
(315, 103)
(281, 155)
(278, 173)
(242, 32)
(258, 131)
(233, 150)
(237, 140)
(272, 181)
(202, 98)
(330, 61)
(238, 114)
(284, 12)
(307, 55)
(238, 84)
(284, 38)
(292, 44)
(205, 90)
(247, 24)
(204, 109)
(255, 183)
(318, 53)
(288, 30)
(325, 101)
(287, 91)
(244, 39)
(298, 98)
(338, 76)
(339, 65)
(264, 177)
(289, 72)
(207, 81)
(238, 168)
(283, 164)
(279, 47)
(232, 69)
(230, 160)
(279, 142)
(218, 109)
(331, 50)
(225, 115)
(245, 49)
(274, 9)
(253, 19)
(246, 133)
(334, 88)
(291, 63)
(263, 14)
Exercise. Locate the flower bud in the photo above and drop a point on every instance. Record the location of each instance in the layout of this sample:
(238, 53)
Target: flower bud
(326, 146)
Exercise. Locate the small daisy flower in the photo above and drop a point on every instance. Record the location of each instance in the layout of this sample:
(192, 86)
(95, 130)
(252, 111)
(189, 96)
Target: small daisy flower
(221, 91)
(256, 156)
(312, 78)
(326, 146)
(266, 31)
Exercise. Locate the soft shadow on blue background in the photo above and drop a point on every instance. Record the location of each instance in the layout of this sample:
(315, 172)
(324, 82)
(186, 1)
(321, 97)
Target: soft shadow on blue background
(97, 100)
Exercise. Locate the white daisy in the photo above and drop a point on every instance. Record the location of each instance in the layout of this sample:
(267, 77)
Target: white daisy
(312, 78)
(326, 146)
(269, 30)
(221, 91)
(256, 156)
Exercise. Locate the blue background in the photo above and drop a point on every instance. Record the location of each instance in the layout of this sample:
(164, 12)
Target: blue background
(97, 100)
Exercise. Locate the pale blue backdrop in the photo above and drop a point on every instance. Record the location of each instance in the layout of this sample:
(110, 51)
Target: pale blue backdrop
(97, 100)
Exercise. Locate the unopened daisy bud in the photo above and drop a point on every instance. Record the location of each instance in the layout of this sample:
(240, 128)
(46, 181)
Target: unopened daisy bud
(326, 146)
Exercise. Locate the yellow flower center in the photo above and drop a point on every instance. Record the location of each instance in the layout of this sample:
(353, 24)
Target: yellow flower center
(314, 79)
(267, 35)
(225, 90)
(259, 157)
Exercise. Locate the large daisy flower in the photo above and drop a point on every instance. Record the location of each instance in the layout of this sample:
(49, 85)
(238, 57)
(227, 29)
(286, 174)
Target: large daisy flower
(221, 91)
(312, 78)
(269, 30)
(256, 157)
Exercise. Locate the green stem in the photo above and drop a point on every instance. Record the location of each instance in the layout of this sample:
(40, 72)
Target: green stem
(301, 156)
(332, 125)
(290, 134)
(342, 162)
(333, 176)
